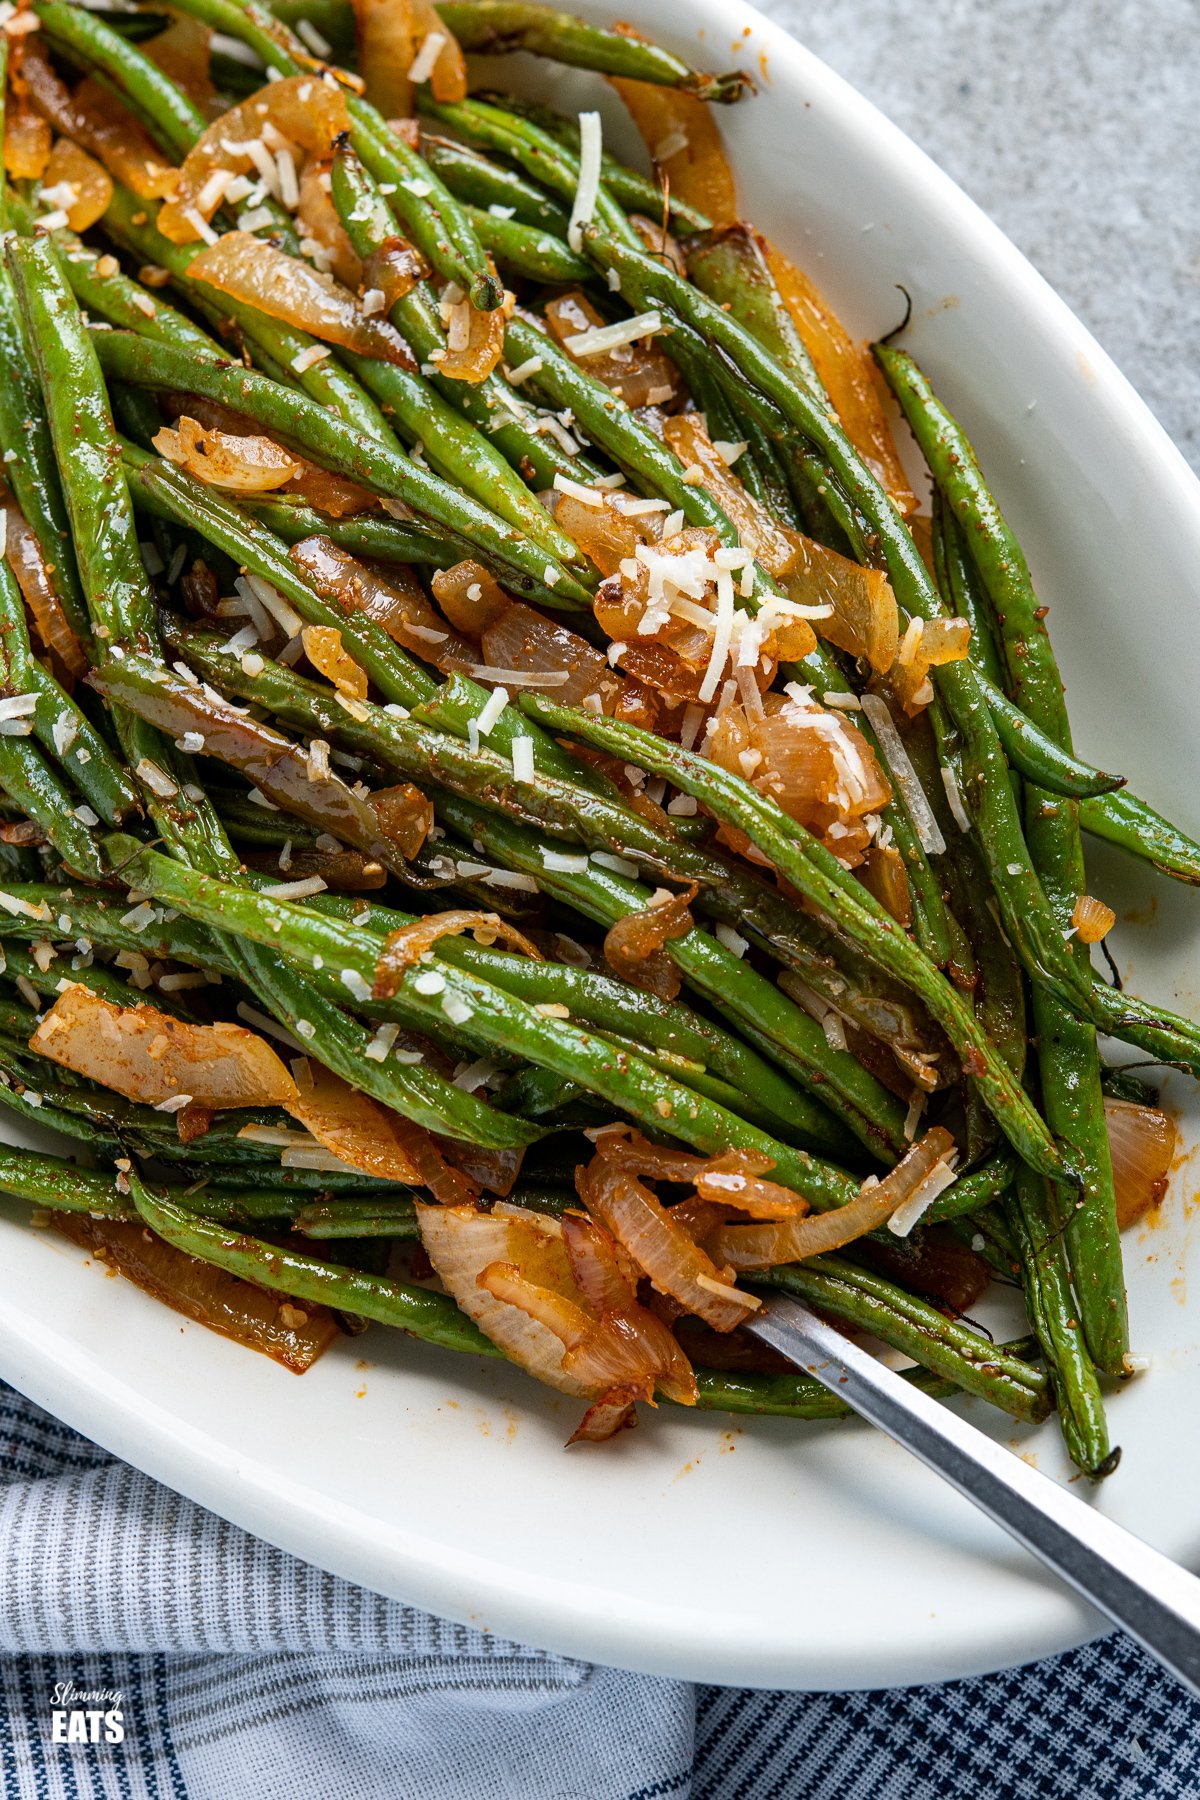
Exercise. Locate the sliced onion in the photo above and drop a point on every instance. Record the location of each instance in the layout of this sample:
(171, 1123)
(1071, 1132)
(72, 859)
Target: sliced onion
(633, 947)
(151, 1056)
(368, 1136)
(1142, 1142)
(325, 651)
(93, 188)
(183, 52)
(735, 1179)
(244, 465)
(285, 287)
(318, 219)
(396, 602)
(302, 108)
(688, 437)
(470, 597)
(884, 874)
(684, 143)
(449, 77)
(1092, 919)
(27, 144)
(386, 32)
(97, 121)
(24, 557)
(405, 816)
(641, 374)
(762, 1246)
(927, 644)
(461, 1242)
(604, 533)
(674, 1263)
(406, 946)
(474, 340)
(343, 871)
(864, 621)
(848, 375)
(294, 1333)
(330, 493)
(523, 639)
(394, 269)
(613, 1412)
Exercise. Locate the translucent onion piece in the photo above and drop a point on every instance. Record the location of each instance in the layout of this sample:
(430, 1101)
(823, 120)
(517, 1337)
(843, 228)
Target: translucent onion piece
(92, 185)
(883, 873)
(613, 1412)
(293, 1333)
(684, 143)
(287, 288)
(343, 871)
(405, 947)
(1092, 919)
(864, 620)
(386, 30)
(602, 532)
(771, 544)
(633, 947)
(449, 77)
(735, 1179)
(395, 601)
(24, 557)
(641, 373)
(474, 341)
(762, 1246)
(523, 639)
(462, 1242)
(27, 144)
(244, 465)
(151, 1056)
(659, 1246)
(848, 375)
(394, 269)
(301, 108)
(182, 51)
(405, 817)
(927, 644)
(368, 1136)
(335, 495)
(317, 217)
(470, 598)
(97, 121)
(325, 651)
(1142, 1142)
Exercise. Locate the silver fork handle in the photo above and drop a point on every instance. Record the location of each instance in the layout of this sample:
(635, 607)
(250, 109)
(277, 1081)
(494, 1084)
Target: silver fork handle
(1141, 1590)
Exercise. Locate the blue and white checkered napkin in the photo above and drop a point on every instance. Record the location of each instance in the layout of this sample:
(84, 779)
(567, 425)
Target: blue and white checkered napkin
(241, 1674)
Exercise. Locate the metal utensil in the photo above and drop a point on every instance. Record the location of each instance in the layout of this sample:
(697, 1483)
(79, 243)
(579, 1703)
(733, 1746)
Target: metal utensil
(1142, 1591)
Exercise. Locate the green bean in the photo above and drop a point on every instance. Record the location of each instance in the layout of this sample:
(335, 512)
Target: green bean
(479, 183)
(978, 1188)
(1038, 1240)
(494, 27)
(29, 466)
(385, 540)
(1124, 820)
(1035, 755)
(65, 732)
(961, 1355)
(49, 1181)
(1068, 1056)
(296, 420)
(960, 590)
(528, 251)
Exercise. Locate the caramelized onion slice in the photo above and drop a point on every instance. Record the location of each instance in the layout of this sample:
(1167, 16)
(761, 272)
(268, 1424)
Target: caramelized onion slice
(461, 1242)
(1092, 919)
(325, 651)
(688, 436)
(368, 1136)
(90, 184)
(864, 620)
(294, 1333)
(396, 601)
(848, 375)
(613, 1412)
(318, 220)
(734, 1179)
(474, 339)
(24, 557)
(285, 287)
(27, 144)
(405, 947)
(633, 947)
(684, 142)
(304, 112)
(97, 121)
(1142, 1142)
(640, 373)
(877, 1202)
(153, 1057)
(659, 1246)
(470, 597)
(405, 816)
(386, 33)
(449, 77)
(243, 465)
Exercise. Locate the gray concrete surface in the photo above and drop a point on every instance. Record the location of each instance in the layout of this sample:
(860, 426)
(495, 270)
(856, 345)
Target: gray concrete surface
(1076, 125)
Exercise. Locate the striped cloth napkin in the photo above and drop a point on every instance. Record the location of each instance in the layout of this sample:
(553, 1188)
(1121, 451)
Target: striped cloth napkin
(227, 1670)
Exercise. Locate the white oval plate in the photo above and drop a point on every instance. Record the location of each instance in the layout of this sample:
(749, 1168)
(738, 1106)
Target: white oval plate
(767, 1553)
